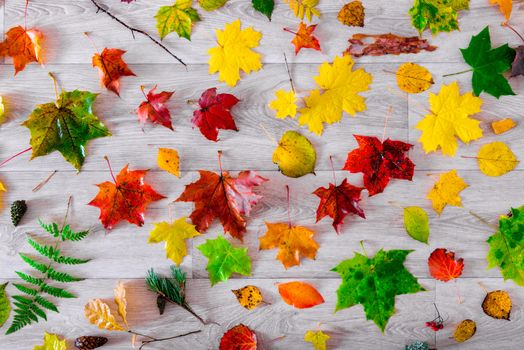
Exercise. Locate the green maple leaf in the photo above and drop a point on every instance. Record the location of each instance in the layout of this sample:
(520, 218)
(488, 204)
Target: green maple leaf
(438, 15)
(65, 126)
(178, 18)
(224, 259)
(264, 6)
(488, 65)
(506, 246)
(374, 283)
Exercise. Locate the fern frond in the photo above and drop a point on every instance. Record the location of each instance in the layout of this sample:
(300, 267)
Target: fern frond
(69, 235)
(67, 260)
(30, 279)
(52, 253)
(33, 263)
(61, 276)
(52, 229)
(46, 303)
(56, 292)
(26, 290)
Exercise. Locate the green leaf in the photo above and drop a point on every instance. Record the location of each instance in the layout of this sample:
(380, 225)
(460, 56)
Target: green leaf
(5, 307)
(46, 303)
(295, 155)
(30, 279)
(211, 5)
(26, 290)
(178, 18)
(488, 65)
(416, 223)
(264, 6)
(374, 283)
(65, 126)
(33, 263)
(61, 276)
(438, 15)
(56, 292)
(224, 259)
(69, 235)
(506, 246)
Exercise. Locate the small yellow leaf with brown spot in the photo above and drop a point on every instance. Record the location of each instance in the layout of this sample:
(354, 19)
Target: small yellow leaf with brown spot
(503, 125)
(465, 330)
(413, 78)
(169, 161)
(446, 191)
(249, 296)
(497, 304)
(352, 14)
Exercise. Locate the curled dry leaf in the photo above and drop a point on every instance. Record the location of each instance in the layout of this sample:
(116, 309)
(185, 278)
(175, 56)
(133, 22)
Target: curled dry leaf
(386, 44)
(413, 78)
(416, 223)
(239, 337)
(154, 108)
(465, 330)
(249, 296)
(98, 313)
(111, 68)
(496, 159)
(317, 338)
(23, 46)
(352, 14)
(443, 266)
(295, 155)
(89, 342)
(497, 304)
(446, 191)
(300, 295)
(121, 301)
(168, 160)
(503, 125)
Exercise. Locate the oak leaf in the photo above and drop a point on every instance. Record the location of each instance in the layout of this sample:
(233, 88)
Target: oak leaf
(295, 155)
(300, 295)
(178, 18)
(239, 337)
(121, 301)
(443, 266)
(98, 313)
(496, 159)
(248, 296)
(352, 14)
(23, 46)
(168, 160)
(497, 304)
(303, 8)
(52, 342)
(154, 108)
(304, 38)
(317, 338)
(285, 104)
(385, 44)
(175, 236)
(464, 330)
(413, 78)
(505, 7)
(446, 191)
(111, 67)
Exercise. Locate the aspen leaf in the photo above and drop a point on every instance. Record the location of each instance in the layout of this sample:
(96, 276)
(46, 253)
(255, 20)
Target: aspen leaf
(52, 342)
(497, 304)
(503, 125)
(98, 313)
(449, 119)
(295, 155)
(5, 306)
(413, 78)
(175, 236)
(168, 160)
(285, 104)
(416, 223)
(443, 266)
(23, 46)
(300, 295)
(352, 14)
(505, 7)
(304, 38)
(303, 8)
(317, 338)
(496, 159)
(465, 330)
(111, 67)
(178, 17)
(211, 5)
(249, 296)
(446, 191)
(234, 53)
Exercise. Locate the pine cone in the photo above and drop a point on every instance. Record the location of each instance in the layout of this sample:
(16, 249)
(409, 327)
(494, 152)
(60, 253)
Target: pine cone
(89, 342)
(18, 209)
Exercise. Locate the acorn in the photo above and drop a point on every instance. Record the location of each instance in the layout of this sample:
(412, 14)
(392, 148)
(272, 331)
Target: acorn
(89, 342)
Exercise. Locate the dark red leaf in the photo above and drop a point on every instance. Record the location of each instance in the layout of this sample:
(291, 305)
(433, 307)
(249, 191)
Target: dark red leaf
(154, 108)
(239, 337)
(386, 44)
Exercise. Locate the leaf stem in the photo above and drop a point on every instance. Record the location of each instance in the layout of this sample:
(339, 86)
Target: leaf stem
(45, 181)
(54, 84)
(92, 42)
(289, 74)
(142, 87)
(140, 334)
(333, 170)
(110, 168)
(363, 249)
(457, 292)
(25, 14)
(220, 161)
(145, 342)
(269, 136)
(484, 221)
(16, 155)
(388, 114)
(288, 207)
(67, 212)
(506, 24)
(457, 73)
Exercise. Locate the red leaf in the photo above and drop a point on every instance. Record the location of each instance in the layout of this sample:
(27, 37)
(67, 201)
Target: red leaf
(214, 113)
(154, 108)
(380, 161)
(223, 197)
(300, 294)
(111, 68)
(338, 201)
(23, 46)
(443, 266)
(126, 199)
(239, 337)
(386, 44)
(304, 38)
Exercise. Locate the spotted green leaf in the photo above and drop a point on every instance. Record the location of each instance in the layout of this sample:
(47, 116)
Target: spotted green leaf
(178, 18)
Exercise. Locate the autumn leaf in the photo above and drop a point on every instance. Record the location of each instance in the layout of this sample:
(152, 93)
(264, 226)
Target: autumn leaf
(124, 199)
(23, 46)
(121, 301)
(449, 119)
(304, 38)
(65, 126)
(385, 44)
(374, 283)
(352, 14)
(239, 337)
(497, 304)
(338, 201)
(292, 242)
(413, 78)
(317, 338)
(224, 197)
(3, 116)
(211, 5)
(446, 191)
(505, 7)
(98, 313)
(339, 88)
(111, 67)
(464, 330)
(443, 266)
(416, 223)
(517, 67)
(496, 159)
(214, 113)
(503, 125)
(178, 18)
(224, 259)
(285, 104)
(175, 236)
(265, 7)
(303, 8)
(234, 53)
(5, 306)
(154, 108)
(51, 342)
(438, 15)
(248, 296)
(2, 190)
(168, 160)
(488, 65)
(295, 155)
(300, 295)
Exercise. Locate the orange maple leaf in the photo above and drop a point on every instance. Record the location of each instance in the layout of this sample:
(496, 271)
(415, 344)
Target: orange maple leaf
(23, 46)
(304, 38)
(111, 68)
(505, 7)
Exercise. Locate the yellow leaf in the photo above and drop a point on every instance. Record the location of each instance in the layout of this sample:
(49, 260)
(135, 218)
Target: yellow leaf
(284, 104)
(503, 125)
(249, 296)
(317, 338)
(340, 87)
(497, 304)
(169, 161)
(496, 159)
(449, 118)
(234, 53)
(2, 189)
(446, 191)
(465, 330)
(352, 14)
(2, 110)
(98, 313)
(304, 7)
(413, 78)
(51, 342)
(121, 301)
(505, 7)
(175, 236)
(295, 155)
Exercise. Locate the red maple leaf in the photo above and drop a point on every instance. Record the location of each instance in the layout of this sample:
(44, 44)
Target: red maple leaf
(443, 266)
(379, 161)
(23, 46)
(304, 38)
(125, 199)
(239, 337)
(154, 109)
(338, 201)
(214, 113)
(111, 68)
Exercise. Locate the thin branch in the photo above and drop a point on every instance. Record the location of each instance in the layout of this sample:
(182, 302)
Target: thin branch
(145, 342)
(289, 74)
(457, 73)
(16, 155)
(45, 181)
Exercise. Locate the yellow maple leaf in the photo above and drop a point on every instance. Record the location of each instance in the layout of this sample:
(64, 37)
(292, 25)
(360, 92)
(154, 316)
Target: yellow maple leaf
(317, 338)
(339, 87)
(284, 104)
(51, 342)
(446, 191)
(303, 8)
(496, 159)
(175, 236)
(292, 241)
(505, 7)
(168, 160)
(449, 119)
(2, 189)
(98, 313)
(121, 301)
(234, 53)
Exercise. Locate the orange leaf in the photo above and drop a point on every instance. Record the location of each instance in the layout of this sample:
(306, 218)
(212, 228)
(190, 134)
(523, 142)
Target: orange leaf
(505, 7)
(304, 38)
(239, 337)
(443, 266)
(23, 46)
(111, 68)
(300, 294)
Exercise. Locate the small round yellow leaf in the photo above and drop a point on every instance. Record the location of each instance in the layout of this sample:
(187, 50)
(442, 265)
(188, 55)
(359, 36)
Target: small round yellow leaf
(295, 155)
(169, 161)
(496, 159)
(465, 330)
(413, 78)
(497, 304)
(249, 296)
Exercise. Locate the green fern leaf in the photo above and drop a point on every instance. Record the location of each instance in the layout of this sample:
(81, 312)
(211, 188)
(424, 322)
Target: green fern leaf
(45, 250)
(46, 303)
(56, 292)
(30, 279)
(69, 235)
(52, 229)
(67, 260)
(61, 276)
(26, 290)
(34, 264)
(22, 299)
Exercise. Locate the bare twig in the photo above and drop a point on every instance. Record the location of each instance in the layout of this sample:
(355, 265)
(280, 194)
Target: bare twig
(289, 74)
(45, 181)
(145, 342)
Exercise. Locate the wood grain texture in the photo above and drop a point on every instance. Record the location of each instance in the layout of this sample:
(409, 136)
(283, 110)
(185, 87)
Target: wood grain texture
(123, 254)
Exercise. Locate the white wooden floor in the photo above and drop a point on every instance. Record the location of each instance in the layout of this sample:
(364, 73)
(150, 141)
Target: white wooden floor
(123, 254)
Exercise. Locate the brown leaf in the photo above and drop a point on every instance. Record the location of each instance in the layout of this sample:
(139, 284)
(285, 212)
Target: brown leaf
(386, 44)
(465, 330)
(352, 14)
(497, 304)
